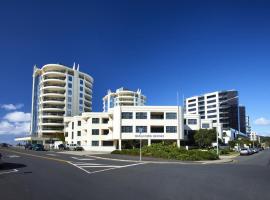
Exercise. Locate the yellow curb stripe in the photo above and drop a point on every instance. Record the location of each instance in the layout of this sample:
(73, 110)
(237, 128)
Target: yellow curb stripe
(37, 156)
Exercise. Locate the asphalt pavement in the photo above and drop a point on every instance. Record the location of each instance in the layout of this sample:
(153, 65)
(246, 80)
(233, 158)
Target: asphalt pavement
(47, 175)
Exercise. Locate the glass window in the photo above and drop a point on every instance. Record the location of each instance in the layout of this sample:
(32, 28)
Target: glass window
(141, 115)
(211, 111)
(95, 120)
(143, 129)
(70, 78)
(78, 133)
(171, 115)
(95, 131)
(72, 125)
(81, 81)
(171, 129)
(191, 105)
(69, 92)
(69, 99)
(127, 115)
(192, 109)
(192, 121)
(157, 115)
(105, 120)
(211, 116)
(69, 106)
(211, 101)
(205, 125)
(81, 108)
(191, 100)
(81, 88)
(72, 135)
(212, 106)
(127, 129)
(69, 85)
(68, 113)
(81, 101)
(95, 143)
(211, 96)
(79, 143)
(79, 123)
(81, 95)
(66, 134)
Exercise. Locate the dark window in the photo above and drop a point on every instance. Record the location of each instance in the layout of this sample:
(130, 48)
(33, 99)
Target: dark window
(192, 121)
(192, 109)
(205, 125)
(211, 96)
(211, 101)
(79, 123)
(157, 129)
(70, 78)
(157, 115)
(107, 143)
(79, 143)
(127, 129)
(95, 143)
(212, 106)
(95, 131)
(79, 133)
(81, 95)
(141, 115)
(211, 111)
(191, 105)
(143, 129)
(105, 120)
(66, 134)
(105, 132)
(72, 125)
(211, 116)
(127, 115)
(72, 135)
(69, 85)
(95, 120)
(171, 129)
(81, 88)
(81, 82)
(171, 115)
(191, 100)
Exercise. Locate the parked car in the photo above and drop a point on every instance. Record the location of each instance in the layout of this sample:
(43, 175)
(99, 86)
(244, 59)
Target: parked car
(38, 147)
(78, 148)
(254, 150)
(245, 152)
(62, 147)
(71, 146)
(28, 146)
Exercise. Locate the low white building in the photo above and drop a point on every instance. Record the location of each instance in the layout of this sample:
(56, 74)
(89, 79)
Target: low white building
(254, 137)
(105, 131)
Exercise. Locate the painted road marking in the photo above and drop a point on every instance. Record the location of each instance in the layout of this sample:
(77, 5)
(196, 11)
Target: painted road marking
(50, 154)
(82, 159)
(13, 156)
(9, 172)
(86, 166)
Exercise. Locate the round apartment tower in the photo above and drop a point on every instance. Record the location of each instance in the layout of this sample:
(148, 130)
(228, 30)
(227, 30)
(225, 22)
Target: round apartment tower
(58, 91)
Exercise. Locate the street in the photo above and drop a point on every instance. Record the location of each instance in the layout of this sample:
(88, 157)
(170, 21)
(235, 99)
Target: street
(51, 175)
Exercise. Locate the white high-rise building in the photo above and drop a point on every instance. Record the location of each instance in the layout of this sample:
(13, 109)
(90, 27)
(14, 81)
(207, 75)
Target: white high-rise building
(123, 97)
(58, 91)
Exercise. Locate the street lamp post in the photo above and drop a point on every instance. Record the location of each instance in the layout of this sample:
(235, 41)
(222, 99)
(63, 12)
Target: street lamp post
(140, 131)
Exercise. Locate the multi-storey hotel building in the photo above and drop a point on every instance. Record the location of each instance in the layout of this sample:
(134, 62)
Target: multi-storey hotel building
(58, 91)
(123, 97)
(222, 107)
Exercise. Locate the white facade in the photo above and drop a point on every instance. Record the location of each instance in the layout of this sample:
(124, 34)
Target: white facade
(105, 131)
(254, 137)
(220, 107)
(123, 97)
(58, 91)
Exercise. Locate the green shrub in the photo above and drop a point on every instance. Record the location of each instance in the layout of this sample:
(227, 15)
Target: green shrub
(160, 150)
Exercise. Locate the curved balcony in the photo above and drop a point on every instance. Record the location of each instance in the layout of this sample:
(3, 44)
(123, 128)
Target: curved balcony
(51, 116)
(52, 131)
(52, 94)
(53, 102)
(51, 124)
(53, 88)
(55, 73)
(53, 80)
(52, 109)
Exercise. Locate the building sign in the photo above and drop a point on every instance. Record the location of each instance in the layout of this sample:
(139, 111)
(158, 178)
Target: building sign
(160, 135)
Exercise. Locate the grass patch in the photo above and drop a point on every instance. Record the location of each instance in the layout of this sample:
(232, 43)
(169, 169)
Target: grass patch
(170, 152)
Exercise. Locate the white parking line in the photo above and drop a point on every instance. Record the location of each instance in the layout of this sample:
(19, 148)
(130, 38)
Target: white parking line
(50, 154)
(84, 166)
(13, 156)
(82, 159)
(8, 172)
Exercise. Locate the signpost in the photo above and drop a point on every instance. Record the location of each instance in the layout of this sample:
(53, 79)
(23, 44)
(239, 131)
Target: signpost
(140, 131)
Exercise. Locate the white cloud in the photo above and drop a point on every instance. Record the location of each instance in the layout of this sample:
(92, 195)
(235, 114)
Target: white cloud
(18, 117)
(14, 128)
(12, 106)
(262, 121)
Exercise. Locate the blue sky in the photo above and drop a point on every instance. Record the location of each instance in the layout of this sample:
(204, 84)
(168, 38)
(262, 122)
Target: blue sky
(159, 46)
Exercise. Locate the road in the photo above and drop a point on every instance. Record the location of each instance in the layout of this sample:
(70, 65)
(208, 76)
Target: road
(49, 175)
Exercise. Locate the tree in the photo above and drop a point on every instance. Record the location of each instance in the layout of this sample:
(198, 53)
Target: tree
(204, 137)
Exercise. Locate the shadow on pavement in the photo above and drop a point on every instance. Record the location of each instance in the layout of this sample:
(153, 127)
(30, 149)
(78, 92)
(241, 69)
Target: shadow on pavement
(8, 166)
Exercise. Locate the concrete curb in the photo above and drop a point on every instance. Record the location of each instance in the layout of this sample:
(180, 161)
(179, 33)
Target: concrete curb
(166, 162)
